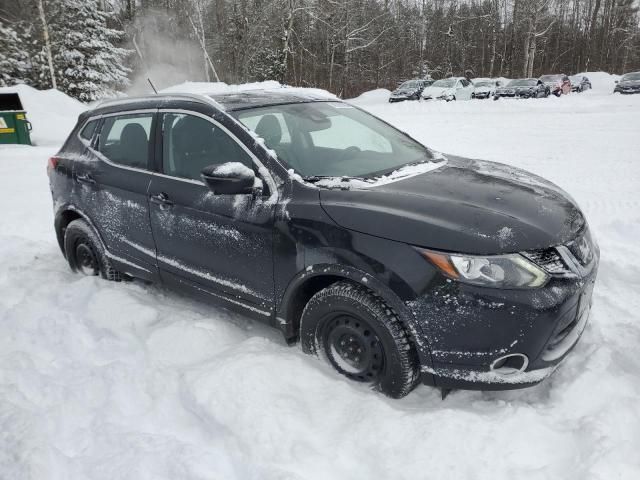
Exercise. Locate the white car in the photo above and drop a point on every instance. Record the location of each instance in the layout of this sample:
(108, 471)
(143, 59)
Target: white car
(453, 88)
(484, 87)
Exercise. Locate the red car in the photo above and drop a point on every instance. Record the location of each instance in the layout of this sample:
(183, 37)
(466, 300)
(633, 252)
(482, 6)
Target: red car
(558, 84)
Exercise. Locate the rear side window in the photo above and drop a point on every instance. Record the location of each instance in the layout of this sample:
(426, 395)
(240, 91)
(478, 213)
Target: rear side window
(124, 139)
(190, 143)
(89, 129)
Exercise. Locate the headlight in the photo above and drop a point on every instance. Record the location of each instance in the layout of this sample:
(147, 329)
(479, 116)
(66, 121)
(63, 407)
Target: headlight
(497, 271)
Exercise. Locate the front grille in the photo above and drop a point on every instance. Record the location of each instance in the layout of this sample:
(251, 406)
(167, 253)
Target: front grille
(549, 260)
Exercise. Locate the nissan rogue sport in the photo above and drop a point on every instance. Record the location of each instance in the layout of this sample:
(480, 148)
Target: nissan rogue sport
(394, 263)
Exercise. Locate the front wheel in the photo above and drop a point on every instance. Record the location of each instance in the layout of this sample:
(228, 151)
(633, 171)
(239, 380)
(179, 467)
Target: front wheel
(85, 253)
(361, 337)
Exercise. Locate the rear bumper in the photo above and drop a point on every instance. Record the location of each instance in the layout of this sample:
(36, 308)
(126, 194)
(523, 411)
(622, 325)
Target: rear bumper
(472, 331)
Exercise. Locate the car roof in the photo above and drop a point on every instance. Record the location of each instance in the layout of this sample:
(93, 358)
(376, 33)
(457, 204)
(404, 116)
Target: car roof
(265, 98)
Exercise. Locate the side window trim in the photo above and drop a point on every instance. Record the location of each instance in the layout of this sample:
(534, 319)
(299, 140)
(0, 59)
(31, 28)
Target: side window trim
(263, 172)
(95, 142)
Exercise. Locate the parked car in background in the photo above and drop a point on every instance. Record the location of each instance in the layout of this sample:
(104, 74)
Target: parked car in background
(484, 88)
(629, 83)
(558, 84)
(523, 88)
(580, 83)
(409, 90)
(453, 88)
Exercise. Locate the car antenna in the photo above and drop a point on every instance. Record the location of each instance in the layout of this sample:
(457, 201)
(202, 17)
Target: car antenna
(146, 67)
(152, 85)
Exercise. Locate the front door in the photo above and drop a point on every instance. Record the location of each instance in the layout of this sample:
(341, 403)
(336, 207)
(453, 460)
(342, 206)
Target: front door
(218, 244)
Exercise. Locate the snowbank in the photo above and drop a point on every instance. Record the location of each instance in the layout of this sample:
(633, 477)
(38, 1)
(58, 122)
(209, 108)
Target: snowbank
(372, 97)
(52, 113)
(602, 82)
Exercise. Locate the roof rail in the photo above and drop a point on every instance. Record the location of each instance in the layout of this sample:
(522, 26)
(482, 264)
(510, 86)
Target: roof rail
(202, 98)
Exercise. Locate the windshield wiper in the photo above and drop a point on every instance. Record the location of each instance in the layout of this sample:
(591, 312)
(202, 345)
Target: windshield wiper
(317, 178)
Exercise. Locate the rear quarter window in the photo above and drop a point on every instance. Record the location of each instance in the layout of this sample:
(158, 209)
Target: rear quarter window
(88, 130)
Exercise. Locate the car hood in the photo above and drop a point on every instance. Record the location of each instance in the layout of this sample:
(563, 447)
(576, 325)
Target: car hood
(482, 89)
(436, 92)
(466, 206)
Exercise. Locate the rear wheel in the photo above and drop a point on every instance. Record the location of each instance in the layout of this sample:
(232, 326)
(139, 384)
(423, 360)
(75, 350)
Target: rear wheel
(361, 337)
(85, 253)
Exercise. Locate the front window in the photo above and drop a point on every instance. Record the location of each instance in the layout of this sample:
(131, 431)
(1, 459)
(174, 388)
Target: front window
(445, 83)
(332, 139)
(190, 143)
(631, 77)
(522, 83)
(483, 84)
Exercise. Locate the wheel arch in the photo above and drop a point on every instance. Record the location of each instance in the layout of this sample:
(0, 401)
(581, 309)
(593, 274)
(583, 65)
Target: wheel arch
(64, 216)
(317, 277)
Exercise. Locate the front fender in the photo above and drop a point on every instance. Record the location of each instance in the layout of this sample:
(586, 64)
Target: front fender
(288, 320)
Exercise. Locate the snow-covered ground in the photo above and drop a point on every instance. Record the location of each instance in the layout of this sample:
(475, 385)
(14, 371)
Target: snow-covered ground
(119, 381)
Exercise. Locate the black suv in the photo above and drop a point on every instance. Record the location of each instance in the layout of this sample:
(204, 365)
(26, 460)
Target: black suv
(394, 263)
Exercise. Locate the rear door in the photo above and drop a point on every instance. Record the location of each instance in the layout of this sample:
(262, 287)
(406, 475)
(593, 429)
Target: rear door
(219, 245)
(111, 183)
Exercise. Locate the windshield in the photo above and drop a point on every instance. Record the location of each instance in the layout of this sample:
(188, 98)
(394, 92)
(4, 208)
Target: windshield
(483, 84)
(445, 82)
(525, 82)
(631, 76)
(332, 139)
(409, 85)
(550, 78)
(575, 79)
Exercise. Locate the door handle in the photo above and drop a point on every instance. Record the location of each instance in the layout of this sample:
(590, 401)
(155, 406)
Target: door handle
(86, 179)
(161, 199)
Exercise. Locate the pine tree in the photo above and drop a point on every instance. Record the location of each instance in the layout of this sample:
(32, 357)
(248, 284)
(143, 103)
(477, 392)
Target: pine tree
(89, 65)
(13, 64)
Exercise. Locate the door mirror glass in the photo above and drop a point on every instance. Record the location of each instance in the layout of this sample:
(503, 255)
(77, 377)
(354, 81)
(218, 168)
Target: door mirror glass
(231, 178)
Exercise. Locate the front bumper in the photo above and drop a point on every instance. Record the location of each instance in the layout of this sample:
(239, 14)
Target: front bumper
(627, 89)
(471, 330)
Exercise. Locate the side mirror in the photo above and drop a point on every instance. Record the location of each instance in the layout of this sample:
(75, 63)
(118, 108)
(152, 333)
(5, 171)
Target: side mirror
(616, 81)
(231, 178)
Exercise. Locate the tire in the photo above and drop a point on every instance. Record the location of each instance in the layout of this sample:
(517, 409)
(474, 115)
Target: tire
(85, 253)
(361, 337)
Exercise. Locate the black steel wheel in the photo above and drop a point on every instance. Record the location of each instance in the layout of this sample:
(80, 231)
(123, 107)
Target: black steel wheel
(361, 337)
(85, 259)
(352, 347)
(85, 253)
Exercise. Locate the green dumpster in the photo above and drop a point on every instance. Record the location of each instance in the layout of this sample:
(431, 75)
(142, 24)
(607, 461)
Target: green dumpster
(14, 126)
